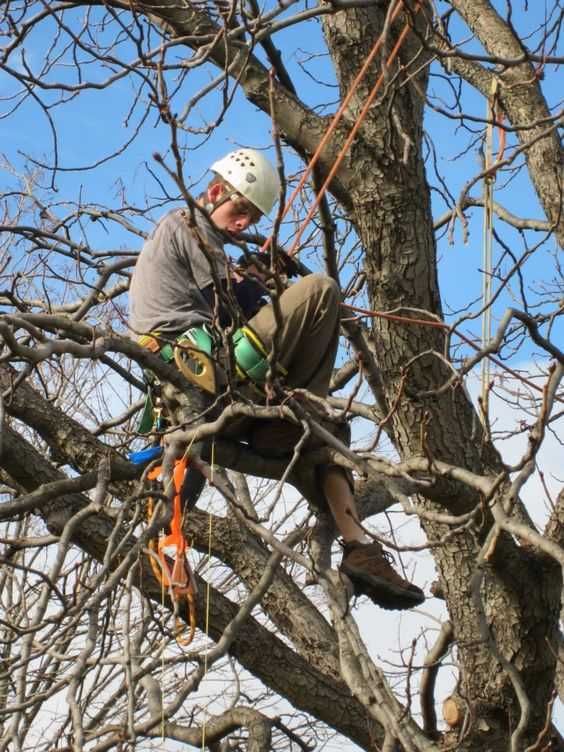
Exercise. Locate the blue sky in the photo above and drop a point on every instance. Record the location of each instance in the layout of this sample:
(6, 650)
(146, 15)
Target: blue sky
(92, 125)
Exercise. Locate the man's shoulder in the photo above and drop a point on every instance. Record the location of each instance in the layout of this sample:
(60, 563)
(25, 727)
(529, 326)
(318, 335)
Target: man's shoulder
(171, 234)
(170, 221)
(187, 225)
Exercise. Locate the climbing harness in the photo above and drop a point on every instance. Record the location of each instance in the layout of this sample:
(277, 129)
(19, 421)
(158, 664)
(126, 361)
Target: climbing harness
(193, 358)
(193, 354)
(168, 554)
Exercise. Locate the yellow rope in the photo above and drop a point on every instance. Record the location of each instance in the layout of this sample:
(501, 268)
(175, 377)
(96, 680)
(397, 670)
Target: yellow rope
(162, 669)
(207, 620)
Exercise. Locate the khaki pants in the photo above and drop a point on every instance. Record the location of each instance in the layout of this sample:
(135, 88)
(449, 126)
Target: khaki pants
(306, 339)
(307, 335)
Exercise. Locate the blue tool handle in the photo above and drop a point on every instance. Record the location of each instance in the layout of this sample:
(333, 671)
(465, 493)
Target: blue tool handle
(145, 455)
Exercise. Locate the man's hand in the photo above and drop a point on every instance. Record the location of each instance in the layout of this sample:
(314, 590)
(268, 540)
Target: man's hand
(252, 263)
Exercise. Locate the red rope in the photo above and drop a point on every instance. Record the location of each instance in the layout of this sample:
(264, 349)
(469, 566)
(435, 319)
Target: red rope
(365, 312)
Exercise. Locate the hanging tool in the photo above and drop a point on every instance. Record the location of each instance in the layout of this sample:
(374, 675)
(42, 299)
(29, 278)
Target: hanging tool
(168, 553)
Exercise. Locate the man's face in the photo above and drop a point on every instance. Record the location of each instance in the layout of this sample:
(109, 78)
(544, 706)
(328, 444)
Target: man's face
(234, 215)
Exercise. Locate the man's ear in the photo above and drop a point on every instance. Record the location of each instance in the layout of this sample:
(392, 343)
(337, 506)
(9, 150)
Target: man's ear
(215, 192)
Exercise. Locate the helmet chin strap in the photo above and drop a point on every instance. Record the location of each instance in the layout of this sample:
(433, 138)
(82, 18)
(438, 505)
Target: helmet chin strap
(210, 207)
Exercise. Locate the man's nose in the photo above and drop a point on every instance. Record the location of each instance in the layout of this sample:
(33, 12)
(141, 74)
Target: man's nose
(242, 223)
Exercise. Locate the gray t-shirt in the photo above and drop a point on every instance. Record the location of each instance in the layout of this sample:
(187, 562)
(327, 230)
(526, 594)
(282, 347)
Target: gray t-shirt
(171, 270)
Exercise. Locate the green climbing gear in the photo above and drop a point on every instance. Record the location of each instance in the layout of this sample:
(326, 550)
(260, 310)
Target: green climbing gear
(251, 358)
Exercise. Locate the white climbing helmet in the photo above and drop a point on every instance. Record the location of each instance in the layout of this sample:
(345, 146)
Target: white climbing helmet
(251, 175)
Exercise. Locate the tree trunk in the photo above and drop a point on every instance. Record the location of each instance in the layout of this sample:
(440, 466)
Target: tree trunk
(497, 613)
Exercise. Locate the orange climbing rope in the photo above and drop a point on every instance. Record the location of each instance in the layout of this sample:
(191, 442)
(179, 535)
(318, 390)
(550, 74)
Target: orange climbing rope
(168, 554)
(335, 121)
(354, 130)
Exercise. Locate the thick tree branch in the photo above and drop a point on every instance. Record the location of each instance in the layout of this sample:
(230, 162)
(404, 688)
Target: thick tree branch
(301, 127)
(257, 649)
(522, 100)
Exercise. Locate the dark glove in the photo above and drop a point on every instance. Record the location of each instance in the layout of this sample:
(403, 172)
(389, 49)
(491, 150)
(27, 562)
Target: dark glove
(249, 295)
(285, 264)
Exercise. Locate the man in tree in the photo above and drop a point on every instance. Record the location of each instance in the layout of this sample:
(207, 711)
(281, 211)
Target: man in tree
(181, 289)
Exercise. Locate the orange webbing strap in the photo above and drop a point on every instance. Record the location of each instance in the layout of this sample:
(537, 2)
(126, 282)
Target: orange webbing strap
(168, 557)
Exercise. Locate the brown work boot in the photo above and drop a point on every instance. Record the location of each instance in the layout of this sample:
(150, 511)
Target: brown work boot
(367, 566)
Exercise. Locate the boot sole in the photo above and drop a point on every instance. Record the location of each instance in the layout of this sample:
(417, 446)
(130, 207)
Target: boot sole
(382, 592)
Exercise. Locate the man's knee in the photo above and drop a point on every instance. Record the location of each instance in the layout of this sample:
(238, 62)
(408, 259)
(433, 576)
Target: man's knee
(320, 286)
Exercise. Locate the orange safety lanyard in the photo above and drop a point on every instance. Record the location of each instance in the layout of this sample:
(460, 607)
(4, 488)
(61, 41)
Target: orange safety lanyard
(176, 533)
(178, 578)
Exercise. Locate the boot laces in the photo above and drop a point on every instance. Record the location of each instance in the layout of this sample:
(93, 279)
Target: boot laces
(382, 553)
